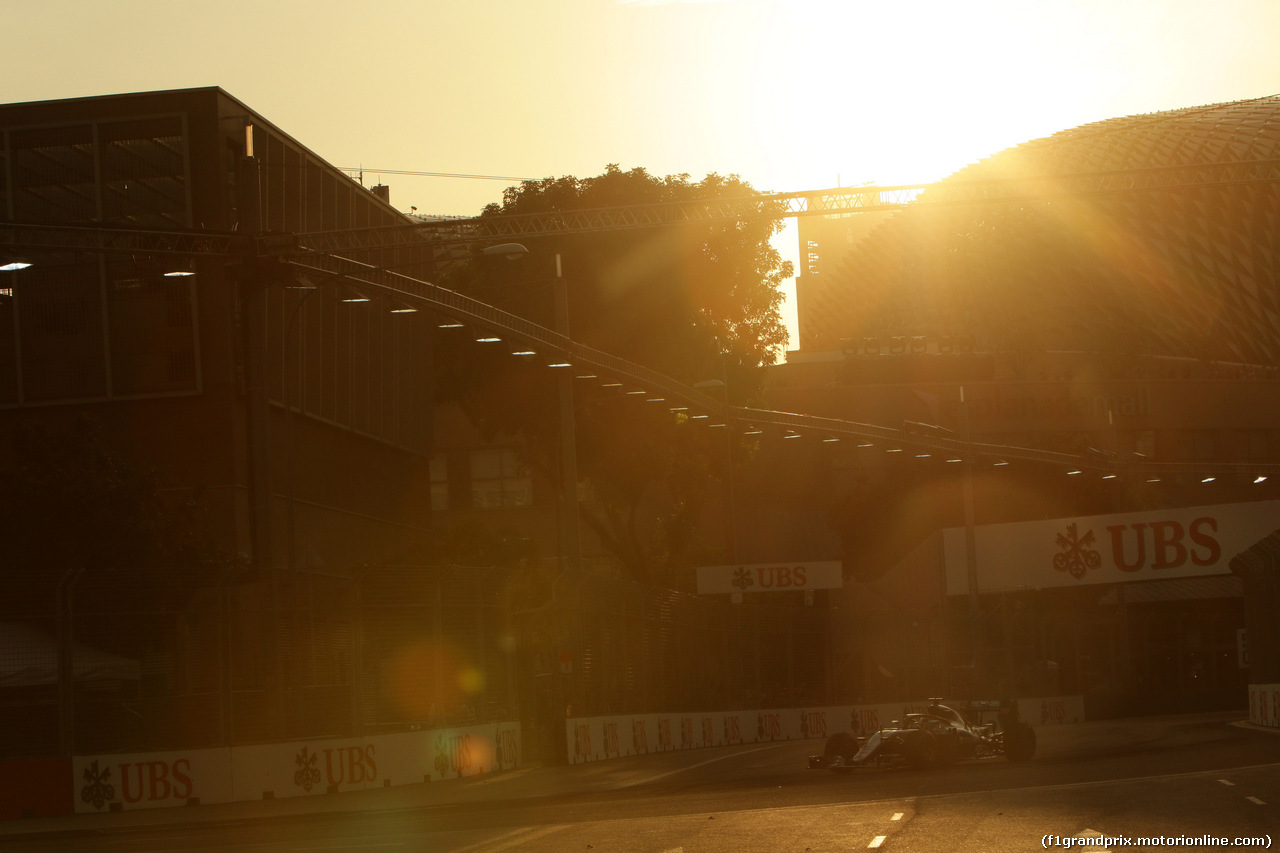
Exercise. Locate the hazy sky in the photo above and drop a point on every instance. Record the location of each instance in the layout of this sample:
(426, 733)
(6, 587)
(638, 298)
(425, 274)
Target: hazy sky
(789, 94)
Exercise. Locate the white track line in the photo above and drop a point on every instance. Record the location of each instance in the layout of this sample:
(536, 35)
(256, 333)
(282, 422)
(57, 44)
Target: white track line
(699, 764)
(514, 838)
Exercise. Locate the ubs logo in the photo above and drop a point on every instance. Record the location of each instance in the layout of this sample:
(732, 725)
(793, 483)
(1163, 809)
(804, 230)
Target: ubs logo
(1076, 556)
(1171, 545)
(307, 776)
(98, 788)
(639, 737)
(152, 781)
(1149, 545)
(581, 746)
(453, 753)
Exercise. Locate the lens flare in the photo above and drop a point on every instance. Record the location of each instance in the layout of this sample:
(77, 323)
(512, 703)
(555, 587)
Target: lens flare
(425, 680)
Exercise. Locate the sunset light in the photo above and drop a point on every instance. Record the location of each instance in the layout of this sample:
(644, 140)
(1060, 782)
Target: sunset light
(639, 425)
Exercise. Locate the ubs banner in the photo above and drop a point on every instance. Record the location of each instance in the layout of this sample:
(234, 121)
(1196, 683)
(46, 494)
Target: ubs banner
(305, 768)
(1264, 704)
(769, 577)
(1173, 543)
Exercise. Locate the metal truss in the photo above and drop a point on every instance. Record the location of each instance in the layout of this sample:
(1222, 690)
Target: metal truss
(590, 363)
(838, 201)
(31, 237)
(828, 202)
(319, 254)
(510, 327)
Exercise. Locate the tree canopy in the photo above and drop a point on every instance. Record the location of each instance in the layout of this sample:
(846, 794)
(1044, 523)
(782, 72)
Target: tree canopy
(696, 302)
(674, 298)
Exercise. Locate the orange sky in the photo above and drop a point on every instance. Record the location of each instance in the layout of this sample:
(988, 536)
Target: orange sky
(790, 94)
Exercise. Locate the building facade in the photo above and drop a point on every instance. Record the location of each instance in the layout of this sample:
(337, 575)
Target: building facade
(290, 418)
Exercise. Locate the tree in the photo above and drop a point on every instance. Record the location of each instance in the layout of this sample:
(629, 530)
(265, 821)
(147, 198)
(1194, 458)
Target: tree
(695, 302)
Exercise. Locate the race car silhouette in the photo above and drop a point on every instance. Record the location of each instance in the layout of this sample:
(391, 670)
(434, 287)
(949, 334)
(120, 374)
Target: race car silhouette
(939, 735)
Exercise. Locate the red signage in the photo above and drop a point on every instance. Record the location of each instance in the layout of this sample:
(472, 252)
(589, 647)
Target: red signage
(770, 577)
(1169, 543)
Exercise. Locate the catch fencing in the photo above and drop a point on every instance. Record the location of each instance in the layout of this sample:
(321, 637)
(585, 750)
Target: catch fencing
(114, 661)
(628, 648)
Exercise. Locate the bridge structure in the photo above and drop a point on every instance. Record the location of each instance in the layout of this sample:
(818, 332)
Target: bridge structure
(327, 256)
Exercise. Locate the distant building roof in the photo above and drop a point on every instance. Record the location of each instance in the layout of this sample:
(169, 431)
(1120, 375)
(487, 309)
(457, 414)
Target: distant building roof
(1191, 271)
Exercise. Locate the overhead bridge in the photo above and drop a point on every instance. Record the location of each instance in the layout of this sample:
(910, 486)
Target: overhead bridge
(321, 254)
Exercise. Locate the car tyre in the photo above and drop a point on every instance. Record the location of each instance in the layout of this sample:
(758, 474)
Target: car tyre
(843, 745)
(1020, 742)
(925, 750)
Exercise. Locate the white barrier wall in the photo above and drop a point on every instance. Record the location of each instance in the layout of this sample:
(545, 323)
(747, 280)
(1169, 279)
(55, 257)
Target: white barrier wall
(598, 738)
(151, 780)
(299, 769)
(1264, 704)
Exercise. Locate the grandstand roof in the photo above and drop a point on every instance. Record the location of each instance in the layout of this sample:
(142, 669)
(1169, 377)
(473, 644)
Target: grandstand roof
(1192, 271)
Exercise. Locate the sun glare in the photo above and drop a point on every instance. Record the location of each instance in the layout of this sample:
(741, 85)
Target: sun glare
(856, 93)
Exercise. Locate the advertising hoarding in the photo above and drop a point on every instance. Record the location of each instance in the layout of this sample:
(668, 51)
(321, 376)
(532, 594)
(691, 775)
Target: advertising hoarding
(1155, 545)
(770, 577)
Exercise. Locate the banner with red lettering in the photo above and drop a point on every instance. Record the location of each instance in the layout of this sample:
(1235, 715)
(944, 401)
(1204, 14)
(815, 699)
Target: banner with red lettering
(770, 577)
(1264, 704)
(302, 768)
(406, 758)
(151, 780)
(1155, 545)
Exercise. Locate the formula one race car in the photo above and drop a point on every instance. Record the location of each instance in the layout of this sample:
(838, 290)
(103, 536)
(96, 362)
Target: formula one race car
(940, 735)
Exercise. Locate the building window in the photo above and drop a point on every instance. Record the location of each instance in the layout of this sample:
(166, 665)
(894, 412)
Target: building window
(499, 479)
(1195, 446)
(439, 482)
(1144, 442)
(1141, 442)
(1249, 445)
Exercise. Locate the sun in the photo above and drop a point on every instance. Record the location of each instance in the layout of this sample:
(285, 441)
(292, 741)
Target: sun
(899, 93)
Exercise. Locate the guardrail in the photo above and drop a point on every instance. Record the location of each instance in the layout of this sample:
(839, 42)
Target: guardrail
(620, 736)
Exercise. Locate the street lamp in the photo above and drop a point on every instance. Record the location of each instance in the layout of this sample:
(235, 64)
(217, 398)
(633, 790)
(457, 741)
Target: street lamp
(510, 251)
